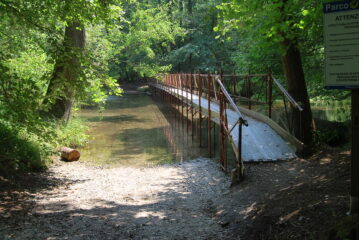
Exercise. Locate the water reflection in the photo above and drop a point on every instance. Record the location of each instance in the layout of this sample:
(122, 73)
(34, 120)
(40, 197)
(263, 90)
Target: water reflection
(334, 111)
(133, 131)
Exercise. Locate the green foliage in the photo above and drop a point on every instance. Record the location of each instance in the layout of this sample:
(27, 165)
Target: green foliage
(200, 51)
(20, 150)
(147, 37)
(31, 42)
(127, 39)
(73, 134)
(100, 51)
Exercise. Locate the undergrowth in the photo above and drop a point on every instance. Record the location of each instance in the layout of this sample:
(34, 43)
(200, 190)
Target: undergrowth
(22, 150)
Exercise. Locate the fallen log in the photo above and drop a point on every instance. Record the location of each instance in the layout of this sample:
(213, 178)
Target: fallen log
(69, 154)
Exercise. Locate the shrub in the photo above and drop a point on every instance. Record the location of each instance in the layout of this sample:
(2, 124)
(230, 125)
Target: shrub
(20, 151)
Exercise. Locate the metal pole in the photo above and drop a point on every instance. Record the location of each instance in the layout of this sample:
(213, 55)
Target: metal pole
(214, 139)
(220, 128)
(234, 85)
(239, 157)
(200, 109)
(209, 115)
(270, 96)
(354, 189)
(225, 140)
(249, 86)
(182, 97)
(187, 103)
(192, 105)
(178, 100)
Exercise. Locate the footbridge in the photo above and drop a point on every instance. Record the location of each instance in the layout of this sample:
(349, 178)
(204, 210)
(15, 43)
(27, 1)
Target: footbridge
(254, 113)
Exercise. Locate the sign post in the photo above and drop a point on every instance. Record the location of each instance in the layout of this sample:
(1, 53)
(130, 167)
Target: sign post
(341, 41)
(354, 190)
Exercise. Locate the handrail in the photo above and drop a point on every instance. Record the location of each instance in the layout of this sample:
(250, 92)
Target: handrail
(230, 100)
(286, 93)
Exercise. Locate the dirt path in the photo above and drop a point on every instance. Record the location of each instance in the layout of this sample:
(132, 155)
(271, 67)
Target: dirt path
(298, 199)
(166, 202)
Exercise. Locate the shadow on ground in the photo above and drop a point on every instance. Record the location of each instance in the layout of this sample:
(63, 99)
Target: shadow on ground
(301, 199)
(183, 209)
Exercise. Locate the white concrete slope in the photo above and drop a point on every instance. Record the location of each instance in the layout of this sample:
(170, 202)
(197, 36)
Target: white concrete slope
(259, 141)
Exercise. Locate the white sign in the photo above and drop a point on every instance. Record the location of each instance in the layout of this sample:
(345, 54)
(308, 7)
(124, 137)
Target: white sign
(341, 41)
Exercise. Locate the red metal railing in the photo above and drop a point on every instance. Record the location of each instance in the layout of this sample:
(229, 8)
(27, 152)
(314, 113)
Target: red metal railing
(258, 92)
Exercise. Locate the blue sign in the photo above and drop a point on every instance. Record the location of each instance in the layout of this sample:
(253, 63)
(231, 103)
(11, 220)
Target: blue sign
(341, 45)
(340, 6)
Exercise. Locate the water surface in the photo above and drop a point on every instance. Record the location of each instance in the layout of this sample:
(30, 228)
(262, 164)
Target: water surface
(134, 131)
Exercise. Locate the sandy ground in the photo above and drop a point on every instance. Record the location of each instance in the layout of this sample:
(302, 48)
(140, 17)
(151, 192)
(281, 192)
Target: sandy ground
(298, 199)
(165, 202)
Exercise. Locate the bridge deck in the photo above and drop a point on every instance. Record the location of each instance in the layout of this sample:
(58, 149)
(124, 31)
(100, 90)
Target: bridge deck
(259, 141)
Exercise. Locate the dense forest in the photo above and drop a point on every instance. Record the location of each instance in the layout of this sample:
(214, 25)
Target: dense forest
(59, 55)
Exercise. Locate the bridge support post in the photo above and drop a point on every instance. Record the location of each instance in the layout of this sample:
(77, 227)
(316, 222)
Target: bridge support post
(209, 115)
(191, 82)
(222, 133)
(221, 157)
(182, 97)
(200, 108)
(270, 93)
(187, 105)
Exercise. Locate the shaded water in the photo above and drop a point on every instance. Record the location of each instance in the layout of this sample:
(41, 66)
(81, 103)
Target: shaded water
(334, 111)
(133, 131)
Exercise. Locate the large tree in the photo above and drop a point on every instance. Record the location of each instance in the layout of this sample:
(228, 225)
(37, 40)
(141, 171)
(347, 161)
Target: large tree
(68, 72)
(280, 25)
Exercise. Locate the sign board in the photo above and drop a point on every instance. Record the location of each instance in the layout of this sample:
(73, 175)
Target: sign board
(341, 42)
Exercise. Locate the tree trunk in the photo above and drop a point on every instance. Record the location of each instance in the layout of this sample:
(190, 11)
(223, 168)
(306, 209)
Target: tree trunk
(180, 3)
(67, 71)
(190, 6)
(293, 70)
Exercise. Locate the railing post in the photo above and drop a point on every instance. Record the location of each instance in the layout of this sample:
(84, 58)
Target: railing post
(222, 134)
(182, 96)
(249, 86)
(239, 157)
(187, 104)
(270, 85)
(209, 115)
(173, 91)
(200, 108)
(225, 136)
(191, 82)
(177, 97)
(234, 84)
(221, 159)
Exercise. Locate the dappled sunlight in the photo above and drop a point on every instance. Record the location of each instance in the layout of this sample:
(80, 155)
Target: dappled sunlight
(150, 214)
(127, 202)
(249, 209)
(285, 198)
(325, 161)
(289, 216)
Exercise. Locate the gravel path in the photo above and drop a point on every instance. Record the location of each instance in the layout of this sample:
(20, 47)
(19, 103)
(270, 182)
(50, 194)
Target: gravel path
(87, 202)
(299, 199)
